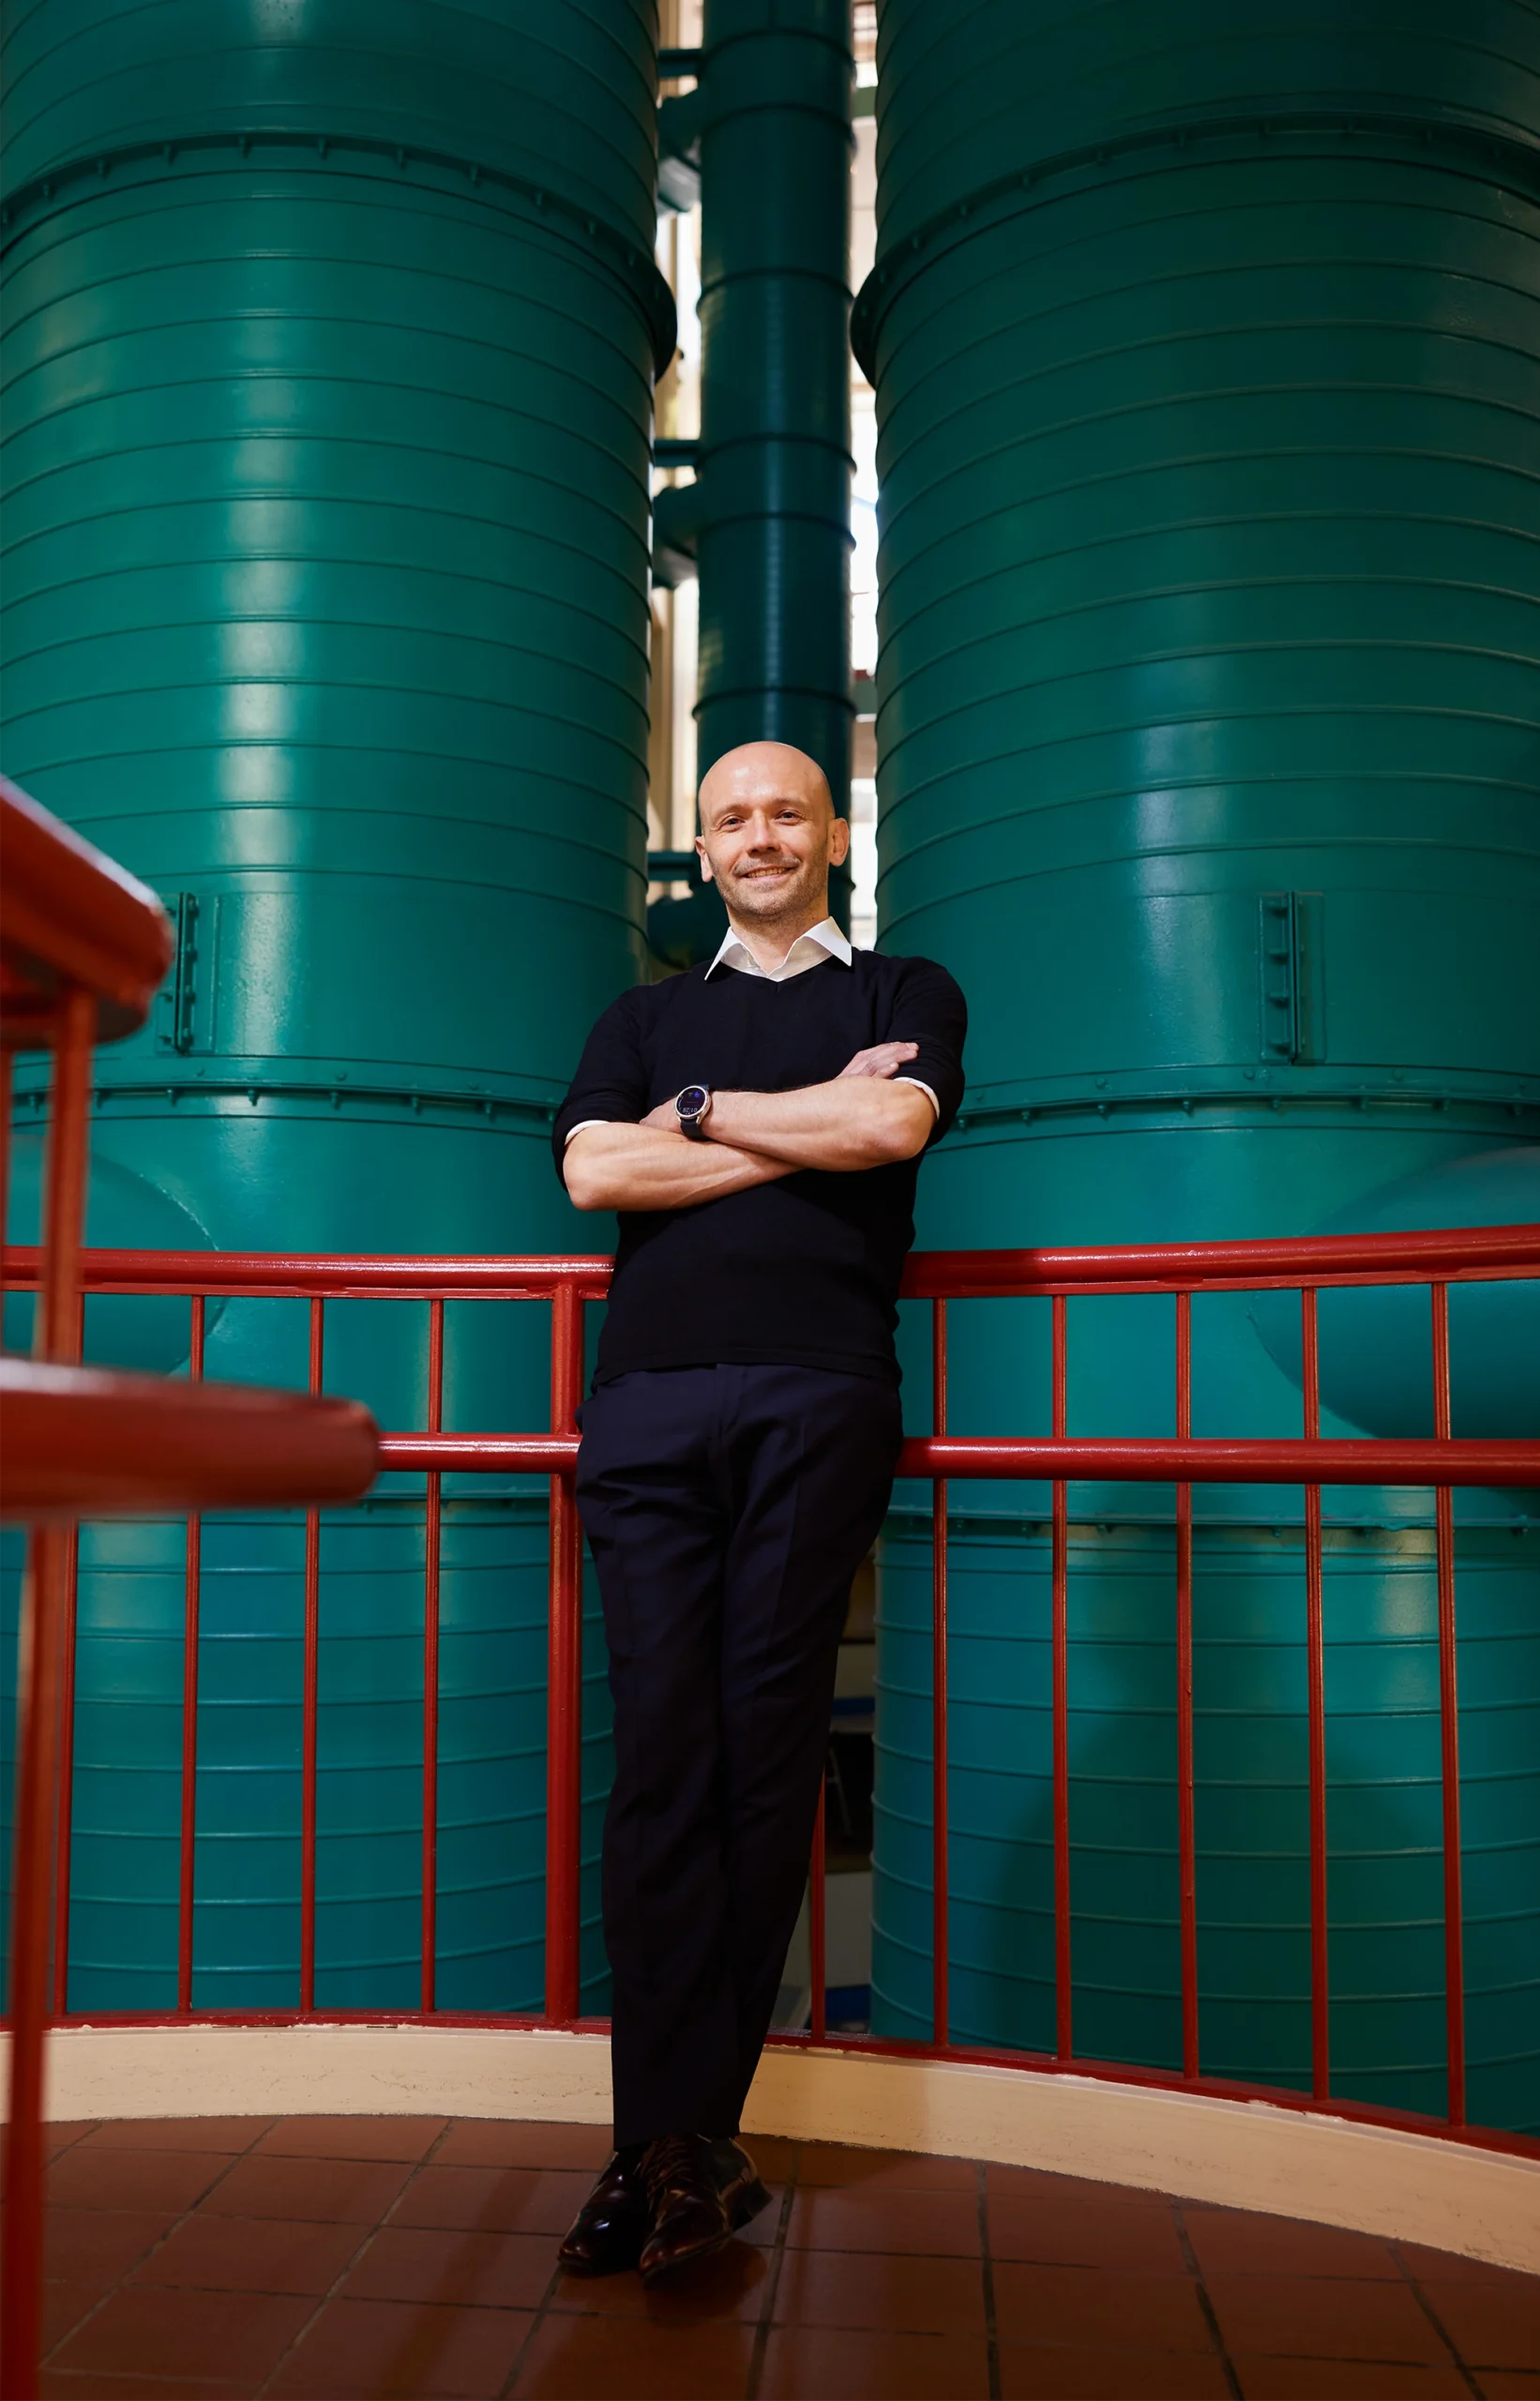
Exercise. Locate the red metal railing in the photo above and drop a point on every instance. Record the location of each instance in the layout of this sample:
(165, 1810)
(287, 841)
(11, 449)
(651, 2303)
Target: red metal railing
(566, 1284)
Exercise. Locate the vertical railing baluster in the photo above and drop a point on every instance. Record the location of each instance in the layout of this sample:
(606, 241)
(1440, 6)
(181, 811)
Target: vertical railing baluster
(189, 1701)
(6, 1106)
(1453, 1930)
(1315, 1648)
(940, 1827)
(564, 1699)
(1186, 1838)
(1062, 1986)
(311, 1705)
(433, 1535)
(817, 1969)
(42, 1702)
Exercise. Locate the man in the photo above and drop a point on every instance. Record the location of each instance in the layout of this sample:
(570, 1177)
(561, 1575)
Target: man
(758, 1125)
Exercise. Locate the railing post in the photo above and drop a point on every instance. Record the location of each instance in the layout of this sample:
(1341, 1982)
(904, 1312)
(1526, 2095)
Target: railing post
(940, 1934)
(1187, 1841)
(1062, 1970)
(817, 1969)
(40, 1704)
(432, 1539)
(190, 1614)
(563, 1703)
(1315, 1641)
(310, 1706)
(1454, 1913)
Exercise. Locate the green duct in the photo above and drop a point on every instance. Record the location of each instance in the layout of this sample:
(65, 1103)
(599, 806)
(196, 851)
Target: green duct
(1206, 353)
(773, 505)
(330, 351)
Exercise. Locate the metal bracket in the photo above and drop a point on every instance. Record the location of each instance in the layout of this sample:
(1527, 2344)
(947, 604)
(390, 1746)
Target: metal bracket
(184, 1006)
(1290, 977)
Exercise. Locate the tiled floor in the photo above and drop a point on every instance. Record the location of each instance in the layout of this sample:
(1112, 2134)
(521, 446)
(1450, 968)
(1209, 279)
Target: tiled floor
(319, 2260)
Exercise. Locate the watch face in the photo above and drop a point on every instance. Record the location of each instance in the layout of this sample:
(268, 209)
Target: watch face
(692, 1100)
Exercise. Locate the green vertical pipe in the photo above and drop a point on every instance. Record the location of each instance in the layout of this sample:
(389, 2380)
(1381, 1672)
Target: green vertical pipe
(775, 463)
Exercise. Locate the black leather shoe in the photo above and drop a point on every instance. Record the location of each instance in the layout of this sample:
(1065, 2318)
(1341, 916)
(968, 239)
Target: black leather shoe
(609, 2230)
(738, 2182)
(700, 2192)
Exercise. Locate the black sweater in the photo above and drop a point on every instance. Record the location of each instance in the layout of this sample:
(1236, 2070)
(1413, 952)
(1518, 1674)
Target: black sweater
(803, 1271)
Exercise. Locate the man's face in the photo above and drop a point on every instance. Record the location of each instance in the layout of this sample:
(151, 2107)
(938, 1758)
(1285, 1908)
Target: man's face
(768, 833)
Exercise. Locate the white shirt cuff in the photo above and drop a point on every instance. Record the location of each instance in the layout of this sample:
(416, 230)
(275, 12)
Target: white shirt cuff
(919, 1084)
(584, 1124)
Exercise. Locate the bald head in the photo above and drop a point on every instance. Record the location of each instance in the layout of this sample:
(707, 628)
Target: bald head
(769, 836)
(756, 768)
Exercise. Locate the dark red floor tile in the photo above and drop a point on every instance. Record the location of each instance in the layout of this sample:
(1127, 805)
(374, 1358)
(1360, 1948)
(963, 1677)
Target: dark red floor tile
(65, 2305)
(161, 2335)
(1076, 2232)
(1330, 2318)
(365, 2350)
(228, 2135)
(763, 2231)
(513, 2142)
(424, 2263)
(830, 2162)
(171, 2181)
(601, 2359)
(406, 2138)
(218, 2254)
(85, 2245)
(79, 2384)
(772, 2154)
(1084, 2372)
(1298, 2379)
(499, 2200)
(1505, 2384)
(358, 2190)
(1490, 2324)
(802, 2361)
(59, 2133)
(1449, 2267)
(862, 2217)
(730, 2286)
(882, 2292)
(1250, 2242)
(1098, 2308)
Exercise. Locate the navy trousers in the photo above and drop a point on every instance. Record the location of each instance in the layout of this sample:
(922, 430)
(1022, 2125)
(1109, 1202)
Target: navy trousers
(727, 1509)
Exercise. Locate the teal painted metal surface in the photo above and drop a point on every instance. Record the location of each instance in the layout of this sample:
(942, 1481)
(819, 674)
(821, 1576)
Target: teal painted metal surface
(330, 348)
(1206, 352)
(772, 513)
(1252, 1829)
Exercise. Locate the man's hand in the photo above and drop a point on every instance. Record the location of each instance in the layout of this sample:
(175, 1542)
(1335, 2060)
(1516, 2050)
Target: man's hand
(885, 1059)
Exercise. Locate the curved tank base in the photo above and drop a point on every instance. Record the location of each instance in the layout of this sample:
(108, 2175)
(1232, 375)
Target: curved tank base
(1385, 1882)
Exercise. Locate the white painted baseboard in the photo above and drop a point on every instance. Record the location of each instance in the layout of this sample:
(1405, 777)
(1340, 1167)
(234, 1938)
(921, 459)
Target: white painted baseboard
(1245, 2155)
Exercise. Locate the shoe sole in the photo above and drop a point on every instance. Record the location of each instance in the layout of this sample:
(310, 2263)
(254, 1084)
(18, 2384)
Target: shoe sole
(592, 2267)
(750, 2201)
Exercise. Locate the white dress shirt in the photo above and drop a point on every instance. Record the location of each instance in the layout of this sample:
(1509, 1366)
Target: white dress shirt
(821, 941)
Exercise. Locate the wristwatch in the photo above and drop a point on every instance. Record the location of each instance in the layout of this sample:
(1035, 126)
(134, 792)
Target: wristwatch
(690, 1106)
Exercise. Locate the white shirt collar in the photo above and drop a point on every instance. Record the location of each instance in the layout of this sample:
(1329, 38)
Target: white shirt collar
(810, 949)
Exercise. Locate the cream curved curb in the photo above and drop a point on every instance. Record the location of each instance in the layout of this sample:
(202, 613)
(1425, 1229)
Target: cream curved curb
(1240, 2155)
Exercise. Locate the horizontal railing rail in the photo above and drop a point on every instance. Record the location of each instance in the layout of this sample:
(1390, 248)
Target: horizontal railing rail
(566, 1284)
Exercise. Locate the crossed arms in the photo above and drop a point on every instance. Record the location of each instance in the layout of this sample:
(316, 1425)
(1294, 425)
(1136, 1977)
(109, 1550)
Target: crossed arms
(862, 1118)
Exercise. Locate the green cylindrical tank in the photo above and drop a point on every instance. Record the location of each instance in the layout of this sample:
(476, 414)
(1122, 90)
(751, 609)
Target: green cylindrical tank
(1206, 348)
(331, 339)
(775, 455)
